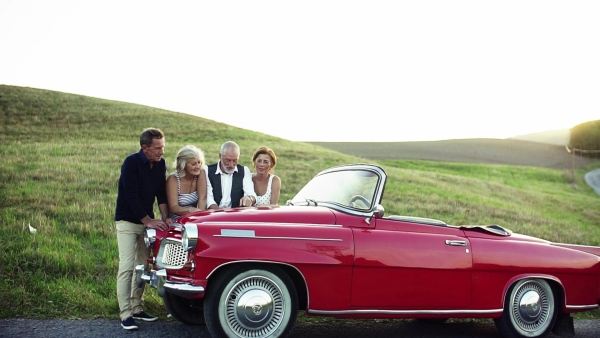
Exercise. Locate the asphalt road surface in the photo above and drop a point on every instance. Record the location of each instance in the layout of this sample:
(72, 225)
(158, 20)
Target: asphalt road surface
(329, 328)
(592, 178)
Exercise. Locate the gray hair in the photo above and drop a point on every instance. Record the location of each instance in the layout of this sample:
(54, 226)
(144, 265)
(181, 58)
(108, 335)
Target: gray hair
(185, 154)
(230, 145)
(150, 134)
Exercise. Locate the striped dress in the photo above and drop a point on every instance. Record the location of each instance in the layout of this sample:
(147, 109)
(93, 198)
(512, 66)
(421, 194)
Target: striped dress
(185, 200)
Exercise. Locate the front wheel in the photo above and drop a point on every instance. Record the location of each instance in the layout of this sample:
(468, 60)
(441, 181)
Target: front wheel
(529, 310)
(185, 310)
(251, 303)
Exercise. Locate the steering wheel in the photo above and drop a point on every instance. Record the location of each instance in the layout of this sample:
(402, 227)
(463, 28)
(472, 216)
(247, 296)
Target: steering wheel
(361, 198)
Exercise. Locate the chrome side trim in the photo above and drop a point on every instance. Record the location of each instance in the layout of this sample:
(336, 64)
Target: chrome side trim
(420, 220)
(404, 312)
(583, 307)
(276, 237)
(238, 233)
(263, 223)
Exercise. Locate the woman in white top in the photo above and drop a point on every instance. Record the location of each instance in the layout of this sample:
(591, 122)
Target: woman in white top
(266, 185)
(186, 187)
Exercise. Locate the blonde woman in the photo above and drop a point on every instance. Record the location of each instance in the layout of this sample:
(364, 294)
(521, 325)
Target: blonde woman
(266, 184)
(186, 187)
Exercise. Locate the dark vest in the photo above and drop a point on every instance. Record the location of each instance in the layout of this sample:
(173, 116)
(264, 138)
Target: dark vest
(237, 186)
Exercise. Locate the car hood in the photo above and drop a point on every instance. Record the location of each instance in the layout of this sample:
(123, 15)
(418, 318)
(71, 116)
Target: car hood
(264, 215)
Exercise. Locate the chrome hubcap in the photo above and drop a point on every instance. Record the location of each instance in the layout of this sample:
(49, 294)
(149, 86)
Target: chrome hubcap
(254, 307)
(529, 306)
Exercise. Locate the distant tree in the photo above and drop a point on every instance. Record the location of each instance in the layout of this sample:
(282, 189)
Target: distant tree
(585, 138)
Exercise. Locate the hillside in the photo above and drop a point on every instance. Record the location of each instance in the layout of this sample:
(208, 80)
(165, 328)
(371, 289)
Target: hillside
(558, 137)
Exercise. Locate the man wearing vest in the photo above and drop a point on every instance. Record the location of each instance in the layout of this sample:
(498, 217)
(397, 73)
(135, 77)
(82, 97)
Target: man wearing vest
(231, 183)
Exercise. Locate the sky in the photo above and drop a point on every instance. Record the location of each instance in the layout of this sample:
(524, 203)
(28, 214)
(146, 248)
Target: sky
(342, 71)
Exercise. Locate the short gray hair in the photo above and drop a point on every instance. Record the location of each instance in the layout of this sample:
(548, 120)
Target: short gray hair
(229, 145)
(150, 134)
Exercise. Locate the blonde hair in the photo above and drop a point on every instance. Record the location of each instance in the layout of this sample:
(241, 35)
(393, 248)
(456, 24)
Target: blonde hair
(185, 154)
(267, 151)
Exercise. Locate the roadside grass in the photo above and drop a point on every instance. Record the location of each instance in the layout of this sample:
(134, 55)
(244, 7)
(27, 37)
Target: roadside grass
(61, 163)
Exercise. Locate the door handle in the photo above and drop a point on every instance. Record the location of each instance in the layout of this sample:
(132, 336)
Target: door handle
(456, 243)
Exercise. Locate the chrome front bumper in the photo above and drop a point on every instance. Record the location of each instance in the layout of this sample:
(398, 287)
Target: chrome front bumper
(158, 280)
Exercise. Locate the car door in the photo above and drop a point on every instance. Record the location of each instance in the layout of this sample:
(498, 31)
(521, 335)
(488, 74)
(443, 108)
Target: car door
(406, 265)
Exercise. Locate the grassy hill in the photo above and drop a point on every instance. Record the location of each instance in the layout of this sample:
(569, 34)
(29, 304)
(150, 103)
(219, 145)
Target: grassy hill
(61, 155)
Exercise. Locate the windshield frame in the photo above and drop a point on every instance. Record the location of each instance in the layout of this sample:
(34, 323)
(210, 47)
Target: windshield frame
(367, 169)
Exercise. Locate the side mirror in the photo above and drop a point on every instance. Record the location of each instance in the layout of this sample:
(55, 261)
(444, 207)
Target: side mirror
(379, 211)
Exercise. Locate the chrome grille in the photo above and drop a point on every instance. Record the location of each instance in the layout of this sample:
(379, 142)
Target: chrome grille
(171, 255)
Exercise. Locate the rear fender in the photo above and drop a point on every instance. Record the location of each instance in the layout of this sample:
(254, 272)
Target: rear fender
(555, 283)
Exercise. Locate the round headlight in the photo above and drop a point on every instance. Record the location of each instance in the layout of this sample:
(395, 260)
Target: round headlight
(189, 237)
(149, 237)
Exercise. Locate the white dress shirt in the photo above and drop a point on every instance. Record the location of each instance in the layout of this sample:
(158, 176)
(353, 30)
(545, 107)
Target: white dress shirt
(226, 182)
(210, 198)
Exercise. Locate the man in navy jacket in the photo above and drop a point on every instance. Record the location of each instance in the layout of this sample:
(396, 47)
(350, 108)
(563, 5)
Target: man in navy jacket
(142, 182)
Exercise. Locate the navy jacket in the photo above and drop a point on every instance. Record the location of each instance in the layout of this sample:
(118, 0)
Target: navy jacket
(139, 187)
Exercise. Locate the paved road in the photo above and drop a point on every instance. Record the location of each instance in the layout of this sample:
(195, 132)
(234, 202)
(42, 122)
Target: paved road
(592, 178)
(326, 329)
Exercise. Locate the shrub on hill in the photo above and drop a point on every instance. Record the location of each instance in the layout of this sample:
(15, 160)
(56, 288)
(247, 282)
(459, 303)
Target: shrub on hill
(585, 138)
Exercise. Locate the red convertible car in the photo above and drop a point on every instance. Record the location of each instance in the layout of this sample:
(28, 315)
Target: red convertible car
(332, 251)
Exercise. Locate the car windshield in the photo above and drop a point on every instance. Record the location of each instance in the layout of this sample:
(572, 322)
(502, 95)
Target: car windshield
(350, 188)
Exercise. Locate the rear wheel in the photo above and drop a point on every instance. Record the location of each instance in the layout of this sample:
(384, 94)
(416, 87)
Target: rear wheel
(529, 310)
(185, 310)
(251, 303)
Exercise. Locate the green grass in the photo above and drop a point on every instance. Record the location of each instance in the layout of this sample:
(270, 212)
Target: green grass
(61, 155)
